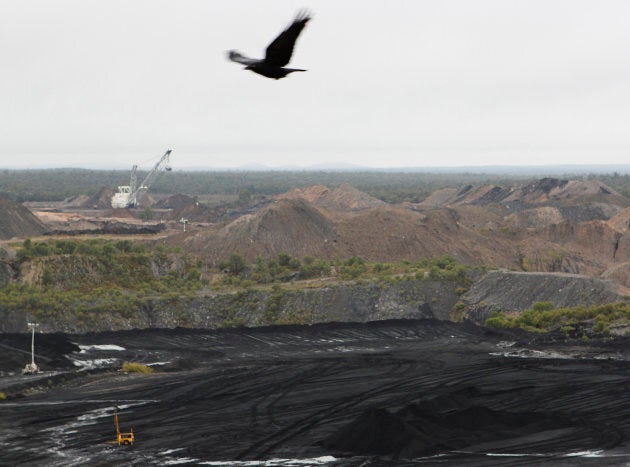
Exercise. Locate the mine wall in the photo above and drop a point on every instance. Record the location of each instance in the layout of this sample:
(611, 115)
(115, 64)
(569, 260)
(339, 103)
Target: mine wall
(7, 273)
(349, 302)
(360, 302)
(508, 291)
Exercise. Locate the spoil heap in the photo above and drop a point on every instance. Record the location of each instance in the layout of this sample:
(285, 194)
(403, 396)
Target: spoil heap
(18, 221)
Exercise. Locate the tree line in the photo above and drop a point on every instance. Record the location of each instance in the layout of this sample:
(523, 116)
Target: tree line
(60, 184)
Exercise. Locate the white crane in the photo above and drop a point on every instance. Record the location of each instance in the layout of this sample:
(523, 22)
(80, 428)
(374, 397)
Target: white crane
(127, 196)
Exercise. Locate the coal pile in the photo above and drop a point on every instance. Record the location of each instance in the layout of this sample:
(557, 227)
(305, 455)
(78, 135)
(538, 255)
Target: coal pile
(443, 423)
(51, 351)
(403, 393)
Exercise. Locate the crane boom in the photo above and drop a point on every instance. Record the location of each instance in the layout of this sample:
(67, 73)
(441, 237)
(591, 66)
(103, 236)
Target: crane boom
(160, 166)
(127, 195)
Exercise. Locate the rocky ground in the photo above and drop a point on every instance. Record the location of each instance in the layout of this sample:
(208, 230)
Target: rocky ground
(386, 393)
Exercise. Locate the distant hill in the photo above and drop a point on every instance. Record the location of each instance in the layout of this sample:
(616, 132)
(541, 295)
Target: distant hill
(545, 191)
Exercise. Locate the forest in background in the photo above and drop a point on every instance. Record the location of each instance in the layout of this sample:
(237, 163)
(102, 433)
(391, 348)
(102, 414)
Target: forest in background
(391, 187)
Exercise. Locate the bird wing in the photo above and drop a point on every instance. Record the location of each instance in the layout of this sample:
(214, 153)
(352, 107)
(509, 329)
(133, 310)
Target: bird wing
(240, 58)
(280, 50)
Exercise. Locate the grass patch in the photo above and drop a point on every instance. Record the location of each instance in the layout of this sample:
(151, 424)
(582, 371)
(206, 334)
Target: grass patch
(542, 317)
(135, 367)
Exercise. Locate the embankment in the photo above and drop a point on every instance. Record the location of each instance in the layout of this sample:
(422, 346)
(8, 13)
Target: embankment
(407, 298)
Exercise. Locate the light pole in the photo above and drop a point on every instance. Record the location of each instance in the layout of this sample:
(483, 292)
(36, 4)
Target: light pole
(31, 368)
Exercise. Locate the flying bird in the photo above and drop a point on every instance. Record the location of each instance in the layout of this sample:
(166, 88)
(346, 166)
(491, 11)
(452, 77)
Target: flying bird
(278, 53)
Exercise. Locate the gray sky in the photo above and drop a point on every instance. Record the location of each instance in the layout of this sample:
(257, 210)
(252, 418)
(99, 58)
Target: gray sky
(390, 83)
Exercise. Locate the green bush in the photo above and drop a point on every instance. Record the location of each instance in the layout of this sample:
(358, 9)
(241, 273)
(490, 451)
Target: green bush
(543, 317)
(543, 306)
(499, 320)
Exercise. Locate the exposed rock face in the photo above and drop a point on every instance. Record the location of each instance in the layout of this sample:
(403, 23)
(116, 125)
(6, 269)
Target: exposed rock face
(7, 273)
(18, 221)
(409, 299)
(518, 291)
(621, 221)
(413, 299)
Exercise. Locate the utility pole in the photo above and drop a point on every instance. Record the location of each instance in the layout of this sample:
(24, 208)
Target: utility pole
(31, 368)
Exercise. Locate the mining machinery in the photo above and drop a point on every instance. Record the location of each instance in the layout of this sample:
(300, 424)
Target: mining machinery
(127, 195)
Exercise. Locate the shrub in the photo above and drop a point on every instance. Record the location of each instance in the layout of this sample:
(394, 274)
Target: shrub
(543, 306)
(499, 320)
(135, 367)
(232, 323)
(234, 265)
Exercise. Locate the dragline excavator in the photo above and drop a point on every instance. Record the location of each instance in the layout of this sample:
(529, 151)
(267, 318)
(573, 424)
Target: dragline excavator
(127, 195)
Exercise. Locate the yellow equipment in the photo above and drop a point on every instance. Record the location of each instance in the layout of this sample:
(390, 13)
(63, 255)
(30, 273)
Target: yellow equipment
(122, 438)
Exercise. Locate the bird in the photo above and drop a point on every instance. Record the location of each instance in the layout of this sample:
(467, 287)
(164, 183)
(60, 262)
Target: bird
(278, 53)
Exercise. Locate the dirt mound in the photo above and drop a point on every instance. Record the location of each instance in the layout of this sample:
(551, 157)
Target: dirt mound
(536, 218)
(387, 233)
(440, 198)
(562, 192)
(468, 194)
(100, 200)
(18, 221)
(589, 211)
(177, 201)
(550, 191)
(575, 247)
(197, 212)
(620, 221)
(186, 207)
(121, 213)
(575, 237)
(291, 226)
(311, 194)
(343, 198)
(391, 233)
(595, 238)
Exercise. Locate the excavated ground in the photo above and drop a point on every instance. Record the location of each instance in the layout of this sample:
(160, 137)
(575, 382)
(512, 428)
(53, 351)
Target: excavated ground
(385, 393)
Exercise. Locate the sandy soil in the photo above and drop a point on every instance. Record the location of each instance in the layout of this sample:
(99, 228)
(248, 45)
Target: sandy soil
(386, 393)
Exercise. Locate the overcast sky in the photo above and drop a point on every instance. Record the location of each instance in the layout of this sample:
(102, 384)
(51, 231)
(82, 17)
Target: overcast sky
(390, 83)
